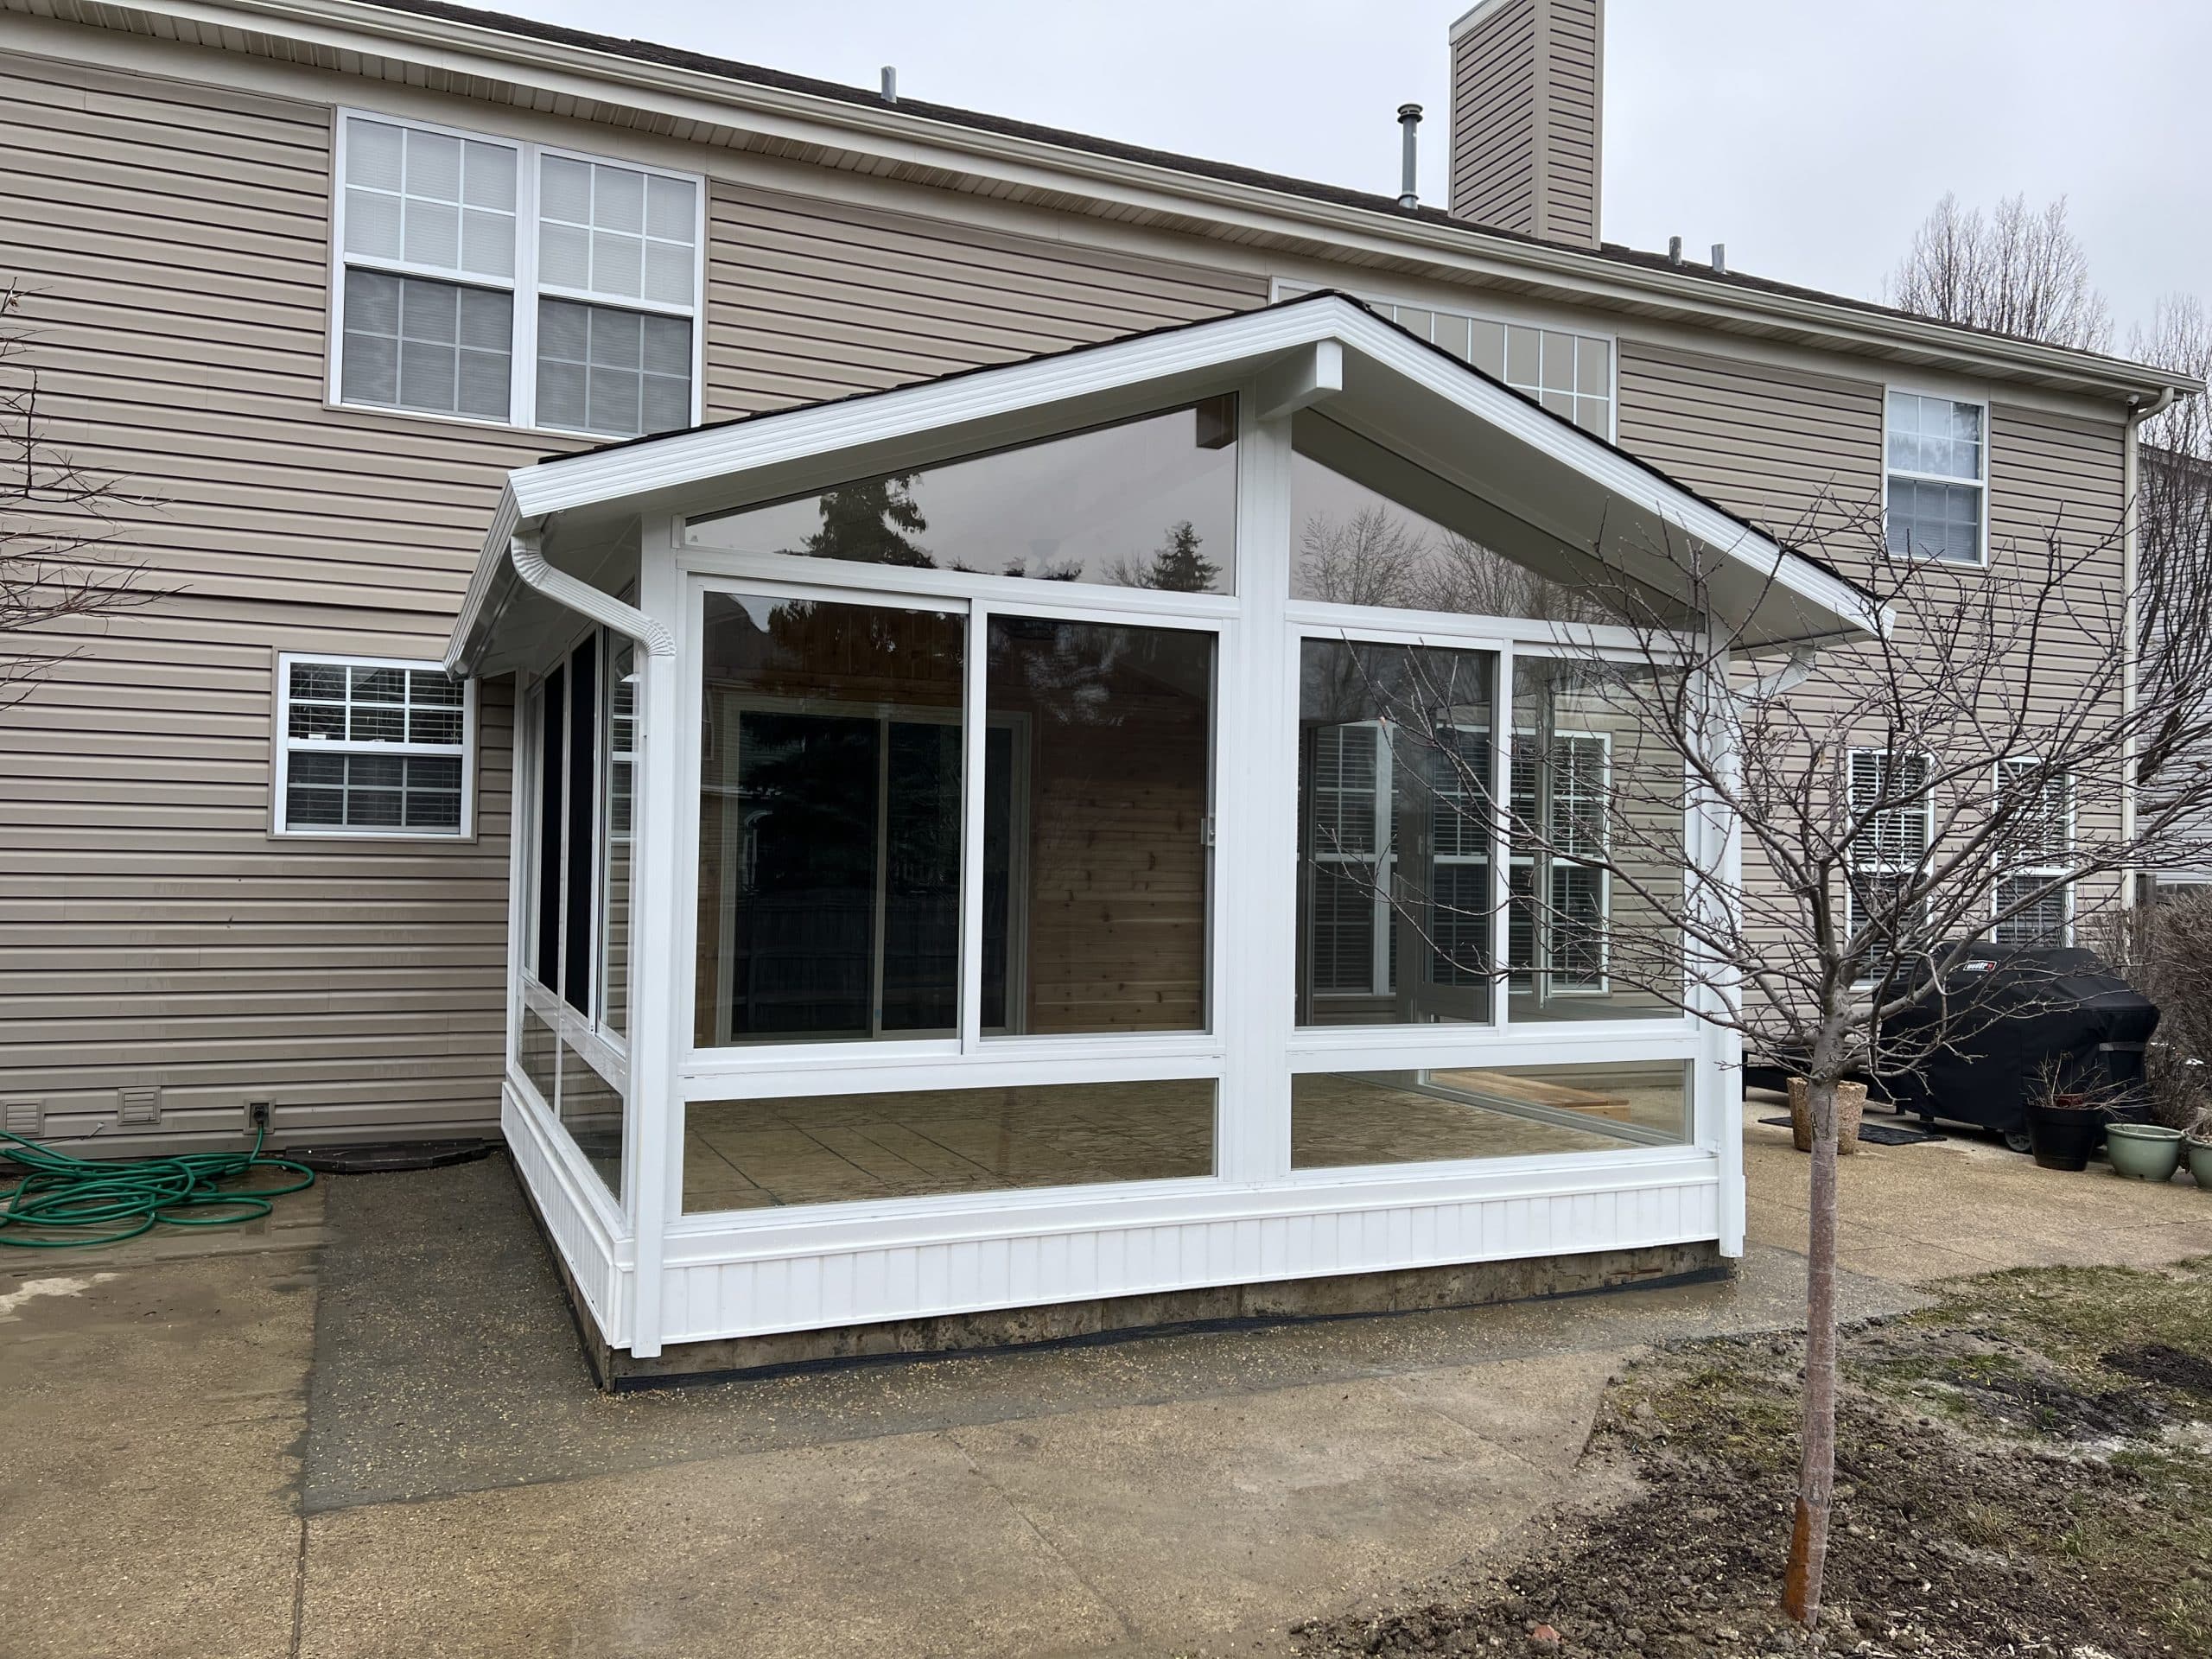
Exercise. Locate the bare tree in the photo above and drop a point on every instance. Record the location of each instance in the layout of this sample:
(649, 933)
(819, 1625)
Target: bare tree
(55, 518)
(2018, 271)
(1372, 556)
(1940, 785)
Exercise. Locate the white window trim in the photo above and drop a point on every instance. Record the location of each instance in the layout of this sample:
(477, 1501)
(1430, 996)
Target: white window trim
(1980, 561)
(1280, 289)
(2038, 871)
(280, 772)
(522, 391)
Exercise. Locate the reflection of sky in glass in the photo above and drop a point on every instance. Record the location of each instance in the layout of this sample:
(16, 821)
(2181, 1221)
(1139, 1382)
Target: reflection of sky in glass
(1093, 507)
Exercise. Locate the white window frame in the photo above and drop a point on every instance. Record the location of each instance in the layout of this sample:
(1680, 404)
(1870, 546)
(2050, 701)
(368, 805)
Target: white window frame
(2065, 781)
(285, 744)
(522, 393)
(1283, 289)
(1980, 560)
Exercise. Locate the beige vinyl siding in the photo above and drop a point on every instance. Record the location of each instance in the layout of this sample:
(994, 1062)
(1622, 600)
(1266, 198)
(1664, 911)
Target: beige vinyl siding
(176, 236)
(1527, 107)
(176, 240)
(1800, 454)
(1771, 444)
(809, 300)
(1573, 113)
(1494, 119)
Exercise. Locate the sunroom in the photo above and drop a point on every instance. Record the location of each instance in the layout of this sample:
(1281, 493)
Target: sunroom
(1106, 840)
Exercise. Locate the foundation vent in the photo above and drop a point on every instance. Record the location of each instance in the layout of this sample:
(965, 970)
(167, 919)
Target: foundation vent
(139, 1106)
(23, 1117)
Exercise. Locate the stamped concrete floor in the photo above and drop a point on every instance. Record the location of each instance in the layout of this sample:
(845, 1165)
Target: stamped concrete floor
(362, 1429)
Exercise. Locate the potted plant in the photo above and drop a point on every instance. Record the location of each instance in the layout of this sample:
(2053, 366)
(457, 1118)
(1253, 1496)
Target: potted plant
(2063, 1129)
(2142, 1152)
(2199, 1146)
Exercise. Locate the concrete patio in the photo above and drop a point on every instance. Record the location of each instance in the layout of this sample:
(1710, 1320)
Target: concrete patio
(363, 1428)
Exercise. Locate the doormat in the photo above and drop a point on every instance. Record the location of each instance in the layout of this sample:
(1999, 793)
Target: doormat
(1877, 1134)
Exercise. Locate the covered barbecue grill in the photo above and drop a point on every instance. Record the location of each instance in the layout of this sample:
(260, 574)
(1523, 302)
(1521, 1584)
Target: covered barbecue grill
(2025, 1012)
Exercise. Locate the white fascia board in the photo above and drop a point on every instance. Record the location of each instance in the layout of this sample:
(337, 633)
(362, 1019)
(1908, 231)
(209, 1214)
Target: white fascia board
(1243, 343)
(347, 33)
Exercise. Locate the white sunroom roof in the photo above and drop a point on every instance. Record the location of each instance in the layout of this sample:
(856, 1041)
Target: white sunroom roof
(1551, 493)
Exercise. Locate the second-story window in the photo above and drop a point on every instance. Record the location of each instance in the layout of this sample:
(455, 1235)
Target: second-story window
(505, 281)
(1937, 467)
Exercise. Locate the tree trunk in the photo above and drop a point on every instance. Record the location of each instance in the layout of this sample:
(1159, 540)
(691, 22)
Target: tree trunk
(1808, 1538)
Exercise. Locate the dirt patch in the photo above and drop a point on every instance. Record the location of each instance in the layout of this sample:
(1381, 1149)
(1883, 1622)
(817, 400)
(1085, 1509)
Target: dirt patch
(2170, 1368)
(2002, 1490)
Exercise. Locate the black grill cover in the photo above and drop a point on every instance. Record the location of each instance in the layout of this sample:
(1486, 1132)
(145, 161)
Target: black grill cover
(2020, 1008)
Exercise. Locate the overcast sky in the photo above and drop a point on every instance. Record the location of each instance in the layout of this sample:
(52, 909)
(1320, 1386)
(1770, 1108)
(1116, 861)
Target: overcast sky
(1809, 135)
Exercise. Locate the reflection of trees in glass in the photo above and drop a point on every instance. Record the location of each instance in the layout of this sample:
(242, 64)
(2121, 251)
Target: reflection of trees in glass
(1378, 556)
(1177, 567)
(870, 522)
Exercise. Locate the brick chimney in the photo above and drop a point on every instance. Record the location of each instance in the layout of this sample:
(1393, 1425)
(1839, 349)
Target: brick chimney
(1527, 95)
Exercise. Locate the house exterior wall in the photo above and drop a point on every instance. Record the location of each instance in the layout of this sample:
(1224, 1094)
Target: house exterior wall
(174, 239)
(175, 232)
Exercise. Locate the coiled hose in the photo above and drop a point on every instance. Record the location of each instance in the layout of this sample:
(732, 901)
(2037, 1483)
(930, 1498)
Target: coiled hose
(65, 1203)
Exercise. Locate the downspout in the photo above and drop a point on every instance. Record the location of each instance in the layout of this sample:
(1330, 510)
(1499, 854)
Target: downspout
(1803, 658)
(585, 600)
(2130, 523)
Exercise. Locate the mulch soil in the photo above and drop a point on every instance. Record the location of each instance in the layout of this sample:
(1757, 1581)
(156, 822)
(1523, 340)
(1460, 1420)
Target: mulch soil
(2025, 1469)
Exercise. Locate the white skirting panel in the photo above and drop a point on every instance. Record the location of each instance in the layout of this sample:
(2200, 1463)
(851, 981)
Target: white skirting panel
(1250, 1237)
(600, 1262)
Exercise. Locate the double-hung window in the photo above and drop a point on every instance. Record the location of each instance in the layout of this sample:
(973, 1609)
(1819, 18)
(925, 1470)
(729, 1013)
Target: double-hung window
(1894, 809)
(373, 746)
(2032, 903)
(496, 281)
(1937, 462)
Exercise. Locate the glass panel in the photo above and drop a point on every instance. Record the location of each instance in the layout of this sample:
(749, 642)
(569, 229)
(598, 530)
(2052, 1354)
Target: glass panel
(1340, 1119)
(580, 835)
(591, 1111)
(1928, 520)
(618, 372)
(829, 851)
(1103, 778)
(1149, 503)
(538, 1049)
(1369, 528)
(413, 344)
(552, 703)
(614, 829)
(749, 1154)
(1591, 782)
(1395, 827)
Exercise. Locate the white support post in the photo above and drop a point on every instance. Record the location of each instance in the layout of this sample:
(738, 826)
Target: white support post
(1255, 841)
(659, 996)
(1719, 1067)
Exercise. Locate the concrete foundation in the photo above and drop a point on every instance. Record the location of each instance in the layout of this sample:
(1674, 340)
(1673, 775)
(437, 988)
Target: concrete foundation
(1116, 1318)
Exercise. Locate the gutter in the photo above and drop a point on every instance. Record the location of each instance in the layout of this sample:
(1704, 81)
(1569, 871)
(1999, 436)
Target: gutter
(904, 135)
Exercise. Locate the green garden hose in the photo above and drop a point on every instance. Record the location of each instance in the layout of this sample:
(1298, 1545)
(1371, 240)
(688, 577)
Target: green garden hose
(64, 1203)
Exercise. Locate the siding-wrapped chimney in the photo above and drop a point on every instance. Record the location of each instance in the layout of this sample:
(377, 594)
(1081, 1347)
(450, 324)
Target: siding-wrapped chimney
(1527, 81)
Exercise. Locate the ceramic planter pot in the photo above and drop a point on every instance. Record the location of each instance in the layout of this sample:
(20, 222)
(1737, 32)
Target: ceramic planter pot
(2063, 1137)
(2200, 1161)
(2142, 1152)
